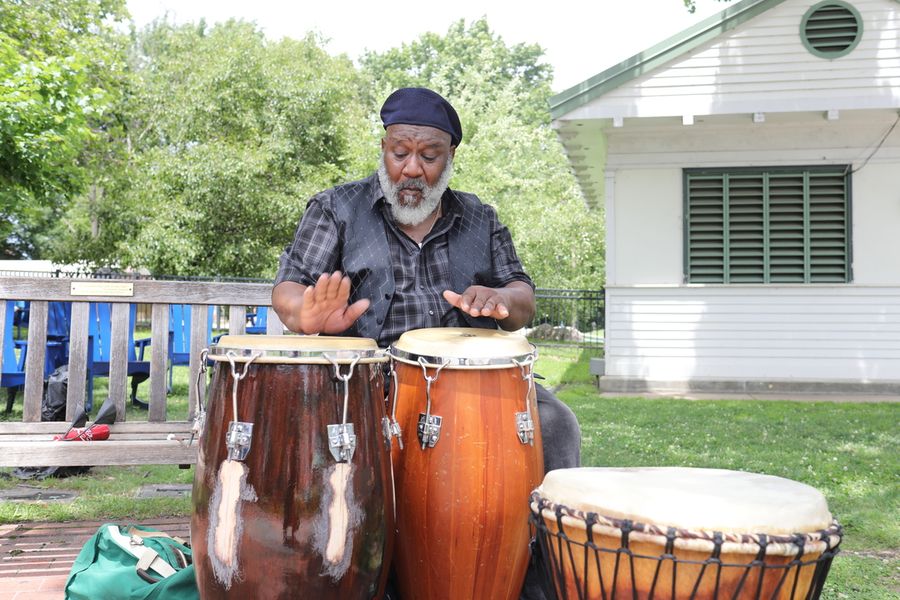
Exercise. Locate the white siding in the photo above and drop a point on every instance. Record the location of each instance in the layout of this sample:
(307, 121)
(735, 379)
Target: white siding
(763, 66)
(645, 173)
(799, 333)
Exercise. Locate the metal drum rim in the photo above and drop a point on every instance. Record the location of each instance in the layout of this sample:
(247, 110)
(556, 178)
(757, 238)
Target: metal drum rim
(305, 357)
(461, 362)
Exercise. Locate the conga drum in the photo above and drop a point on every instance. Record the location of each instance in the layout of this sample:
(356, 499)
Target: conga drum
(681, 533)
(465, 408)
(292, 491)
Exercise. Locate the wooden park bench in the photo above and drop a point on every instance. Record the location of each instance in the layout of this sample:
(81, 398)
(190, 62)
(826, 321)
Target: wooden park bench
(155, 440)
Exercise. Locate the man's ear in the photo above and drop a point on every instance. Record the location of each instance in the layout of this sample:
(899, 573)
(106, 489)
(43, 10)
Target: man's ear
(452, 151)
(382, 144)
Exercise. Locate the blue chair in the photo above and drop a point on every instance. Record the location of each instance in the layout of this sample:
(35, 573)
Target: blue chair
(180, 336)
(13, 375)
(99, 340)
(258, 320)
(57, 349)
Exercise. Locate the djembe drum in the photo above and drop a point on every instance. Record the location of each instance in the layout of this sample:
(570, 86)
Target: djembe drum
(682, 533)
(465, 408)
(292, 490)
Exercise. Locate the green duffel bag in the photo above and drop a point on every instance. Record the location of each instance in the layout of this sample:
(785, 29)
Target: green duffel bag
(130, 562)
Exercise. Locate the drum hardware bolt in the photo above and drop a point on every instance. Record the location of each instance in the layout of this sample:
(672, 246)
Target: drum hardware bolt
(429, 428)
(524, 421)
(341, 437)
(239, 435)
(390, 425)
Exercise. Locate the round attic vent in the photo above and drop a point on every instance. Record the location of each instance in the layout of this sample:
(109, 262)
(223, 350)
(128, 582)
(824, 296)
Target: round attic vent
(831, 29)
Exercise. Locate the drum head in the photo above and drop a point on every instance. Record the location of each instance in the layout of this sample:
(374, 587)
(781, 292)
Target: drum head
(691, 499)
(463, 347)
(301, 349)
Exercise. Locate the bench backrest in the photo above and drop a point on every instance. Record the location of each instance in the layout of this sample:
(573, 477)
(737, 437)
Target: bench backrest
(120, 296)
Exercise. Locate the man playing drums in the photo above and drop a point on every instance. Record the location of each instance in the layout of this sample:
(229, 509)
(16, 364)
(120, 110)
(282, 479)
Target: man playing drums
(400, 251)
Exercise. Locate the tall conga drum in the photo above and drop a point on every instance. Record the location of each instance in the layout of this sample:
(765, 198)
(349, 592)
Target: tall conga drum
(292, 490)
(465, 408)
(673, 533)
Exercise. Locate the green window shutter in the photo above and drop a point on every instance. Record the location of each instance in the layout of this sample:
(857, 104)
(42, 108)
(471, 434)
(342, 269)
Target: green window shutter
(746, 229)
(706, 233)
(786, 228)
(828, 236)
(767, 225)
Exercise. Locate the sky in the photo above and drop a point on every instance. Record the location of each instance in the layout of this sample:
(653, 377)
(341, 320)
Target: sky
(579, 38)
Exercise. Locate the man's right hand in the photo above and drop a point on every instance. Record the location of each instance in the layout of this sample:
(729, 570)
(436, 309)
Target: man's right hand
(319, 308)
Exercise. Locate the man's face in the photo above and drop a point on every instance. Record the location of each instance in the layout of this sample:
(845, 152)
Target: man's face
(415, 152)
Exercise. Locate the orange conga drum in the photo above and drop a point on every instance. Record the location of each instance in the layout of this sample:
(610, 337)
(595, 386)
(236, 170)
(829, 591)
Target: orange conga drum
(292, 492)
(464, 403)
(673, 533)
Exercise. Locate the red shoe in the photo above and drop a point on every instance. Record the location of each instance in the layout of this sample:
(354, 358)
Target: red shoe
(85, 434)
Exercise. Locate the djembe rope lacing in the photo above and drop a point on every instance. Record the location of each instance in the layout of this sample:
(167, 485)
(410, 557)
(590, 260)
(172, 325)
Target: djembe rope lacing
(794, 545)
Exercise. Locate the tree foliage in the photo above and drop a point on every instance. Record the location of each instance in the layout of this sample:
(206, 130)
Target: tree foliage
(57, 59)
(191, 149)
(227, 134)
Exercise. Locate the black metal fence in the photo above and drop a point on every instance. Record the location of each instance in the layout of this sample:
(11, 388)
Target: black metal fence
(573, 318)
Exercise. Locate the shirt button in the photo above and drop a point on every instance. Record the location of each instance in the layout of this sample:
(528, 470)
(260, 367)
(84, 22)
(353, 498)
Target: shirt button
(431, 312)
(421, 287)
(387, 296)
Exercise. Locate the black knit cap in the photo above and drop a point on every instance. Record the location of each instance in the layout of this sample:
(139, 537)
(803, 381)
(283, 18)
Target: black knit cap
(421, 106)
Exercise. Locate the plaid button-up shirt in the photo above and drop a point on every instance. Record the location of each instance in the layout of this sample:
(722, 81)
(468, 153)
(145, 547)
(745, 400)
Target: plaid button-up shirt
(421, 274)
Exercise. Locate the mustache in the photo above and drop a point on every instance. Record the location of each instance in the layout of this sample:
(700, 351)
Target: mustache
(417, 183)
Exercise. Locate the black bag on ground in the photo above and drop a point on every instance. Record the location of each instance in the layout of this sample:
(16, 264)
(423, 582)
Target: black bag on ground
(53, 405)
(53, 408)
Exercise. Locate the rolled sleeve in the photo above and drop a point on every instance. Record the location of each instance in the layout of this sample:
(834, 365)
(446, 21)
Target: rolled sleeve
(315, 248)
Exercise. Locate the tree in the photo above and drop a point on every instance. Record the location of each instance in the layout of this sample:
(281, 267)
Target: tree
(58, 68)
(510, 156)
(228, 135)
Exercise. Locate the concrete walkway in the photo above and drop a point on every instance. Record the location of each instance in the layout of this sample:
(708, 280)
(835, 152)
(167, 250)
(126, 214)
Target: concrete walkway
(855, 398)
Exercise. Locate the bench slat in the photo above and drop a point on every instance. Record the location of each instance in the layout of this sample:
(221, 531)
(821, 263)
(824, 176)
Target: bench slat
(118, 357)
(34, 362)
(78, 347)
(121, 452)
(237, 320)
(274, 326)
(57, 427)
(3, 334)
(145, 292)
(159, 343)
(199, 335)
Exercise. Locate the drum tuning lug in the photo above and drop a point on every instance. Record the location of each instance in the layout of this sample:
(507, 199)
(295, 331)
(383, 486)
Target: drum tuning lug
(429, 429)
(341, 441)
(525, 427)
(238, 440)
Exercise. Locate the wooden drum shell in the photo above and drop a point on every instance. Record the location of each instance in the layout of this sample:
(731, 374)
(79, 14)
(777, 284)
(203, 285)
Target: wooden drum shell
(281, 539)
(735, 580)
(462, 506)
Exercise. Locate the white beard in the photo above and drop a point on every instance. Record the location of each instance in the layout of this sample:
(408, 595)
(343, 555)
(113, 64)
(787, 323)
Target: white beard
(406, 208)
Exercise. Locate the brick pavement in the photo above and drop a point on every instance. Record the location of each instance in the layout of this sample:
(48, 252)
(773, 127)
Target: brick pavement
(35, 558)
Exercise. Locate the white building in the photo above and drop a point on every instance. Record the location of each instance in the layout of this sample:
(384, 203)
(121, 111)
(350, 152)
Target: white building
(750, 172)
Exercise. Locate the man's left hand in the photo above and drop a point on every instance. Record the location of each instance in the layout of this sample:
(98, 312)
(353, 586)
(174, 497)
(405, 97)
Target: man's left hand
(480, 301)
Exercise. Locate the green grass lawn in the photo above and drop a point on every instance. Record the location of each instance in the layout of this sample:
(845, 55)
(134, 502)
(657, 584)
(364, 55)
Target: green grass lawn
(849, 451)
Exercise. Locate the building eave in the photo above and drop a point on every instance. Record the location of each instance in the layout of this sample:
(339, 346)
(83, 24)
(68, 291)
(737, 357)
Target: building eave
(679, 44)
